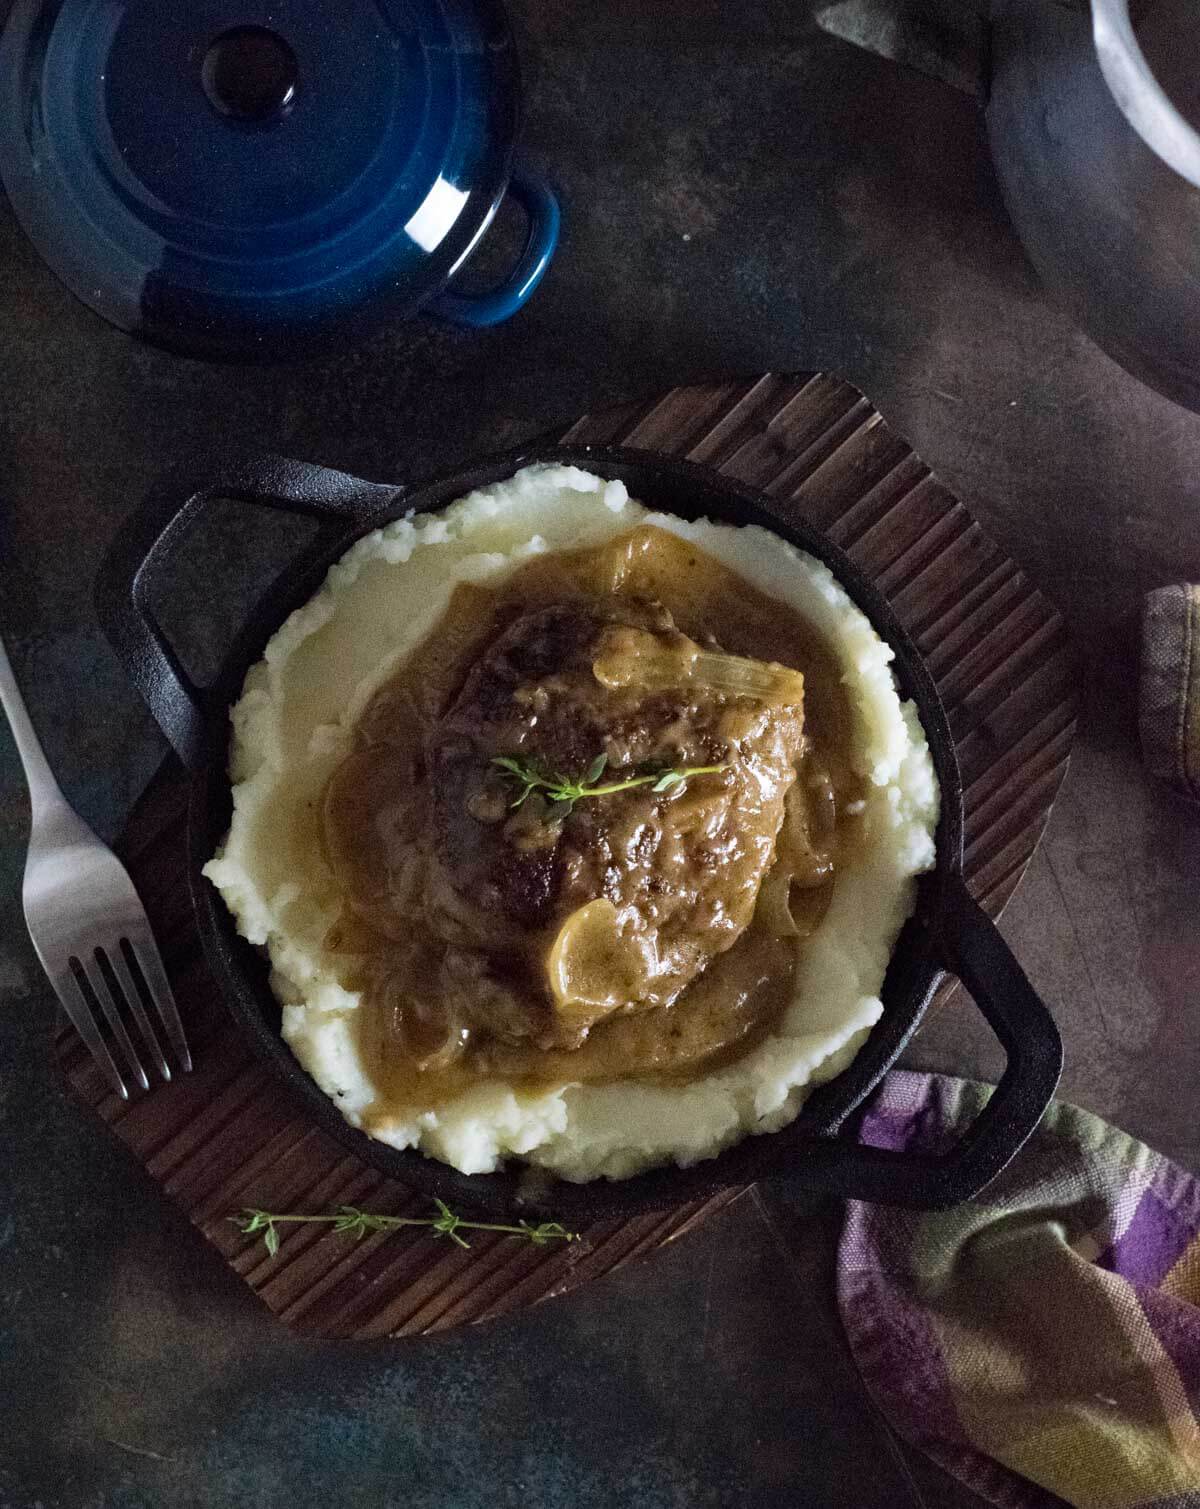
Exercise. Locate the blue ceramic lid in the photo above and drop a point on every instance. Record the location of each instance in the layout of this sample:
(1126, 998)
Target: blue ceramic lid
(241, 178)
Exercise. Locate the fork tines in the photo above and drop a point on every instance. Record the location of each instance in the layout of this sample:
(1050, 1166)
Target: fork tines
(124, 977)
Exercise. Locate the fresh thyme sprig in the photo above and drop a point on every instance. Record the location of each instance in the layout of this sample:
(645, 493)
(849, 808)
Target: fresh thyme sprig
(351, 1221)
(563, 792)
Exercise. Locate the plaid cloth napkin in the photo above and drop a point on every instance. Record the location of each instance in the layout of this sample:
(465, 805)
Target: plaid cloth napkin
(1169, 691)
(1041, 1343)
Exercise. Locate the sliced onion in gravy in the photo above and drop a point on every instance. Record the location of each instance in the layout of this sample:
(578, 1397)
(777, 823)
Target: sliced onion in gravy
(630, 657)
(598, 962)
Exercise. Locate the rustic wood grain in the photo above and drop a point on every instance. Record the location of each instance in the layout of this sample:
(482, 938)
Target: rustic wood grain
(228, 1135)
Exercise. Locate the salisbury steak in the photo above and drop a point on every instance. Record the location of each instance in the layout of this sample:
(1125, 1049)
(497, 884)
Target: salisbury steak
(607, 899)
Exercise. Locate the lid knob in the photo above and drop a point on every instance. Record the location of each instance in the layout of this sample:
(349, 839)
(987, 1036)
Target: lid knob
(249, 73)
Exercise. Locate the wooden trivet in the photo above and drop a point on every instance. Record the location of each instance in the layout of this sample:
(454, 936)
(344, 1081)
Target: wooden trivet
(229, 1136)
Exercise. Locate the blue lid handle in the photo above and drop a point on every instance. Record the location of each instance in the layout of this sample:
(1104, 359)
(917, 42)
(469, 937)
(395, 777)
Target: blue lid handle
(479, 310)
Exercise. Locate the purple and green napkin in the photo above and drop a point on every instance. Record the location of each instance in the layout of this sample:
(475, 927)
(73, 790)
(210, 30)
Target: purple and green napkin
(1169, 686)
(1041, 1343)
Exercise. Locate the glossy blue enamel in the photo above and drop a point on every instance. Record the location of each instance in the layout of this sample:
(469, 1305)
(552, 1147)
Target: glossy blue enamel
(234, 236)
(492, 308)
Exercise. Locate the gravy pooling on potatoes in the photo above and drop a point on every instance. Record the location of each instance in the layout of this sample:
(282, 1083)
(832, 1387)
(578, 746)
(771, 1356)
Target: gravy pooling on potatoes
(642, 933)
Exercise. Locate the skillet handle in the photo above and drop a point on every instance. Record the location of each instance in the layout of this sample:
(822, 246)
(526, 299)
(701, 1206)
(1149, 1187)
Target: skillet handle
(145, 544)
(971, 947)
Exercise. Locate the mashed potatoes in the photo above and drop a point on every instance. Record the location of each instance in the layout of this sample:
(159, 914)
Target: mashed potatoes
(294, 723)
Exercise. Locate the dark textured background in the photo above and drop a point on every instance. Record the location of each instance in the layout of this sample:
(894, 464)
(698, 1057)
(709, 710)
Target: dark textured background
(741, 192)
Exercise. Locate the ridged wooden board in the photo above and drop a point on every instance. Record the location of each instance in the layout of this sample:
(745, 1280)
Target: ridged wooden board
(229, 1136)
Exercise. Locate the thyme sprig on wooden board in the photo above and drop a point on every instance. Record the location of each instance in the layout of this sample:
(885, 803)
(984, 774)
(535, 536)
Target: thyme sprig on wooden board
(349, 1220)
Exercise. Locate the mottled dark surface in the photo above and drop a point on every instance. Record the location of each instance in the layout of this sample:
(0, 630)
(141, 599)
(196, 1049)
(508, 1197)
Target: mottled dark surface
(741, 193)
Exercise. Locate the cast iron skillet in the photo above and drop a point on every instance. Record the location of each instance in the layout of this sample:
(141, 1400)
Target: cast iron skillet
(948, 932)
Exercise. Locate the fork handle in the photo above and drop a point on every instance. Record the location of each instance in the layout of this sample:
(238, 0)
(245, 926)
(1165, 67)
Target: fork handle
(44, 792)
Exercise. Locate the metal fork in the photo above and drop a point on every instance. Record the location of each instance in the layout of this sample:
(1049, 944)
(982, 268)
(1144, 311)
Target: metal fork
(89, 928)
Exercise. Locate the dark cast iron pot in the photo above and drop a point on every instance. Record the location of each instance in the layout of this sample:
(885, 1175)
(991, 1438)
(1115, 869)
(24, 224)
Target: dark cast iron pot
(948, 931)
(1100, 170)
(1093, 118)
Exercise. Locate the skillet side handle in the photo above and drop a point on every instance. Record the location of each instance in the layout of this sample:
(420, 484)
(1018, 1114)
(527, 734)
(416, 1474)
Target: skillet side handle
(146, 543)
(972, 948)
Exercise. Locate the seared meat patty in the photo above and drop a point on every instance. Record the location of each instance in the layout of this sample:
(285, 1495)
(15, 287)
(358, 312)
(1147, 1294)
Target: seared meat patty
(614, 901)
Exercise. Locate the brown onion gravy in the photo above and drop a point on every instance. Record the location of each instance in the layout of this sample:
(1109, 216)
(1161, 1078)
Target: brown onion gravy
(376, 802)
